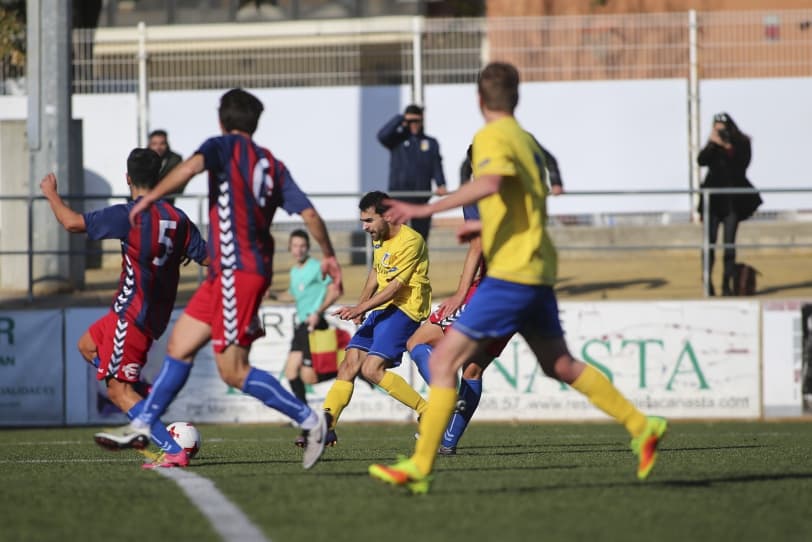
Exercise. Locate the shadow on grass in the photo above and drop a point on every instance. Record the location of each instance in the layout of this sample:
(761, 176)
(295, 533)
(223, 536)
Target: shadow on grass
(589, 287)
(783, 287)
(698, 483)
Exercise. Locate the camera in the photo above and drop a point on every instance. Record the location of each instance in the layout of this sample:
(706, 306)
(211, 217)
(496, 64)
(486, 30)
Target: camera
(724, 135)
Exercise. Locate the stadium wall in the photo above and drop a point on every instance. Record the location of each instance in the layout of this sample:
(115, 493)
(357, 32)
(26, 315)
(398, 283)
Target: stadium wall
(719, 359)
(606, 135)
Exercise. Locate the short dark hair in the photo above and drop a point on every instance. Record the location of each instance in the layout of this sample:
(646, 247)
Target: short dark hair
(498, 86)
(374, 199)
(143, 166)
(161, 133)
(300, 233)
(413, 109)
(239, 110)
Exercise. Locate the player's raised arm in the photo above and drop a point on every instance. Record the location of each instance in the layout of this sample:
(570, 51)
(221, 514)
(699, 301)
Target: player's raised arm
(71, 220)
(400, 212)
(173, 182)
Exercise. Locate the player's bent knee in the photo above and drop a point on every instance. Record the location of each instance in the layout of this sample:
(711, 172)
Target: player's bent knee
(373, 373)
(234, 377)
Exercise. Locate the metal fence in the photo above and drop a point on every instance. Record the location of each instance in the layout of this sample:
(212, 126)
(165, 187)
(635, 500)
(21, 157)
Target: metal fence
(356, 249)
(393, 50)
(417, 50)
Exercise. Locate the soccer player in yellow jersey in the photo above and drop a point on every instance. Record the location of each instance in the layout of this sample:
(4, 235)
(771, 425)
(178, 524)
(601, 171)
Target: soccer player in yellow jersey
(397, 296)
(517, 293)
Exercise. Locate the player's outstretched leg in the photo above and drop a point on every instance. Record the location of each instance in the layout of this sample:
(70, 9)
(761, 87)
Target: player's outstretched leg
(647, 433)
(414, 473)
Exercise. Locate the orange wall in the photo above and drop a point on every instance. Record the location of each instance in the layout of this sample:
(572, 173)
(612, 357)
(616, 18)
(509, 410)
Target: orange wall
(508, 8)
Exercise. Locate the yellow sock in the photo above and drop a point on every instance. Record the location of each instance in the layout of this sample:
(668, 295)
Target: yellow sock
(604, 395)
(434, 421)
(337, 398)
(399, 389)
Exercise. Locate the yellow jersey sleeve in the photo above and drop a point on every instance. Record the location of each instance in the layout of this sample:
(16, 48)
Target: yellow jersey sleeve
(492, 155)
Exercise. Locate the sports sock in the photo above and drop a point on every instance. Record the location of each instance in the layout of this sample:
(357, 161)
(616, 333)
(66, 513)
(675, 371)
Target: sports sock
(604, 395)
(169, 382)
(432, 424)
(269, 390)
(158, 433)
(399, 389)
(420, 355)
(298, 389)
(337, 398)
(470, 393)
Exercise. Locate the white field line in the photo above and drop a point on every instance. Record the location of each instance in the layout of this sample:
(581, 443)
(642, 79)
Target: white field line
(228, 520)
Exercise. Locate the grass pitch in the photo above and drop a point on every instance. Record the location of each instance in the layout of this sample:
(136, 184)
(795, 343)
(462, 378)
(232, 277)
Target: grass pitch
(720, 481)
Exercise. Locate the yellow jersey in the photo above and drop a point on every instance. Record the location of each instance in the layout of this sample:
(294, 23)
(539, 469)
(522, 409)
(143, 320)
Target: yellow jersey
(515, 242)
(405, 258)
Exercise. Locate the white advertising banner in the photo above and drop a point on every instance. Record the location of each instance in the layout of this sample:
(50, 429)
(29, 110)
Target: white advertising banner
(782, 341)
(695, 359)
(31, 378)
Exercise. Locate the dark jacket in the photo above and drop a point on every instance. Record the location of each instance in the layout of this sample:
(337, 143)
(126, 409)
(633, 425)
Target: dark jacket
(415, 159)
(169, 161)
(727, 169)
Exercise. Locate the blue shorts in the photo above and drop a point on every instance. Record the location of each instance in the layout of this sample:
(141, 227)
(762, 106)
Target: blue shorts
(500, 308)
(384, 333)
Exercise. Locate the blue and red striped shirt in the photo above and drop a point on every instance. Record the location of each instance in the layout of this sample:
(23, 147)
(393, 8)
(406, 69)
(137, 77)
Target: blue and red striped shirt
(246, 186)
(152, 253)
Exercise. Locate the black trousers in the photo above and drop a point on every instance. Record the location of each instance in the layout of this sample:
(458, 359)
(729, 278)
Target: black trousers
(730, 224)
(421, 226)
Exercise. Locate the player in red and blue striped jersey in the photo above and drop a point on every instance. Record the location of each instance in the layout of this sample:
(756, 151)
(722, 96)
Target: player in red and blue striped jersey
(247, 184)
(152, 250)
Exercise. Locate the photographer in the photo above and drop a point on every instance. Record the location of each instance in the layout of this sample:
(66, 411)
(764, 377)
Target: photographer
(414, 162)
(727, 156)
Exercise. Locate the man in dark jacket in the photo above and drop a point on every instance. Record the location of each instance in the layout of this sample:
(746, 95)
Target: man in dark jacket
(415, 160)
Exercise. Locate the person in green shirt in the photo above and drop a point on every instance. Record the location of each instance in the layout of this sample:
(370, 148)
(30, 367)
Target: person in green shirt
(313, 294)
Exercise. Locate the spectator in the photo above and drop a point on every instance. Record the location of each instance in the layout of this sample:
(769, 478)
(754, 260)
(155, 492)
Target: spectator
(415, 160)
(727, 156)
(159, 143)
